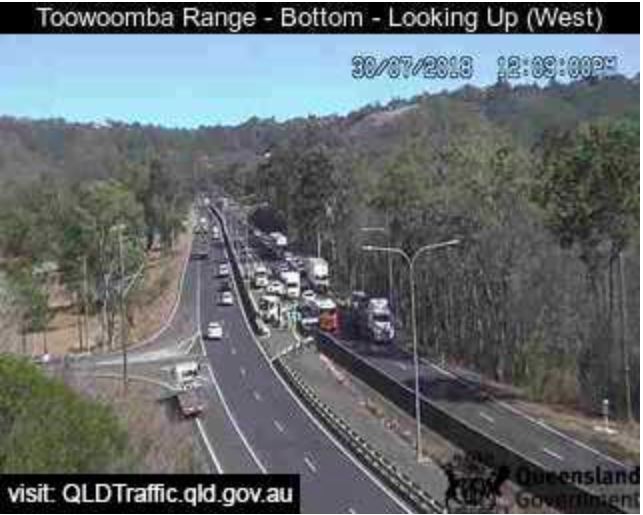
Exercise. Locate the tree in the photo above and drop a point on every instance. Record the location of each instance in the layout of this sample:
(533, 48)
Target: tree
(45, 427)
(588, 189)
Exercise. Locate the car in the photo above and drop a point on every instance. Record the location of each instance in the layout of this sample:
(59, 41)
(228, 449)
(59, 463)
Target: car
(200, 253)
(215, 331)
(275, 288)
(225, 285)
(226, 299)
(224, 270)
(308, 295)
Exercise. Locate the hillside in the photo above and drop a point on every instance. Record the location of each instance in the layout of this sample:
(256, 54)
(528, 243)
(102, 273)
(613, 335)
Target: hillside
(539, 184)
(78, 151)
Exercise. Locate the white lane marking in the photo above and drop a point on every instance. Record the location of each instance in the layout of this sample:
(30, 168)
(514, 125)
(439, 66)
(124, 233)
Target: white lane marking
(486, 417)
(208, 445)
(233, 351)
(553, 454)
(551, 429)
(278, 425)
(401, 365)
(310, 416)
(256, 395)
(533, 420)
(243, 438)
(198, 301)
(444, 372)
(309, 463)
(351, 510)
(243, 371)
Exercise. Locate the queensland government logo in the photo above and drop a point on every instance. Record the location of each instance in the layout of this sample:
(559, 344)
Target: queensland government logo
(473, 488)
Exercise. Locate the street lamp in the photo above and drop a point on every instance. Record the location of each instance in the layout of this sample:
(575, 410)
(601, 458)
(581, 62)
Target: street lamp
(410, 260)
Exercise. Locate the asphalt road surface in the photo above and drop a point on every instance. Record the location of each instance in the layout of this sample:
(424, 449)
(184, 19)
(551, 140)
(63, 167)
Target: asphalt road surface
(543, 445)
(278, 435)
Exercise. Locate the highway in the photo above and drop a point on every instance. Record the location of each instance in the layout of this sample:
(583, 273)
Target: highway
(277, 432)
(542, 445)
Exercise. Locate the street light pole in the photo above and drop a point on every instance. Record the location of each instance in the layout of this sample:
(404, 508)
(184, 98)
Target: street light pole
(122, 306)
(410, 261)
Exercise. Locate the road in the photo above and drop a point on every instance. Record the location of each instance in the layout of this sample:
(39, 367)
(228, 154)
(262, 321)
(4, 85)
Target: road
(540, 443)
(543, 445)
(278, 433)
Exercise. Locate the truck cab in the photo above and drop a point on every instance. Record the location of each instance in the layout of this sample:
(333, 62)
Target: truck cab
(328, 316)
(269, 308)
(260, 276)
(317, 273)
(380, 320)
(186, 374)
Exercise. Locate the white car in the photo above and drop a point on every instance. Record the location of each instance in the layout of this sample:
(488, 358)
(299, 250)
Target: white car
(224, 270)
(215, 331)
(226, 299)
(275, 288)
(308, 295)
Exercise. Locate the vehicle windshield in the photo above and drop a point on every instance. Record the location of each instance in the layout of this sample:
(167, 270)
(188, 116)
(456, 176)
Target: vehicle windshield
(381, 318)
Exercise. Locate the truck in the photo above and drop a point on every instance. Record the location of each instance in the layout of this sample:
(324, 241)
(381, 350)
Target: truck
(316, 270)
(372, 318)
(260, 276)
(186, 374)
(327, 313)
(270, 309)
(292, 280)
(279, 239)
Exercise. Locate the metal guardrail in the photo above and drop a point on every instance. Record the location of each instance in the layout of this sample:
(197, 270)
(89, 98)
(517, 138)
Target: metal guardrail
(382, 466)
(462, 434)
(400, 482)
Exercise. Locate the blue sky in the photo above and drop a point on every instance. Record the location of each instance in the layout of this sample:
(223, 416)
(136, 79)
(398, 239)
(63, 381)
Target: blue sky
(186, 81)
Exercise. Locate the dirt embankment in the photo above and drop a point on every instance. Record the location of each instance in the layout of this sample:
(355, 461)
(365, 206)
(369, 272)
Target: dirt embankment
(151, 303)
(161, 442)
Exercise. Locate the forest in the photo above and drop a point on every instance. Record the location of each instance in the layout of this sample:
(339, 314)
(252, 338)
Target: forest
(539, 183)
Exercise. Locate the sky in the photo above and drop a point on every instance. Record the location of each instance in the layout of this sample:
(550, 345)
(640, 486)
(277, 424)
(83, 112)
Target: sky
(187, 81)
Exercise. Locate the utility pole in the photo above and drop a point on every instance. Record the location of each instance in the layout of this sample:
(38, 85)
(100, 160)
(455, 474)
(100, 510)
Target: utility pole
(624, 350)
(85, 310)
(79, 323)
(122, 303)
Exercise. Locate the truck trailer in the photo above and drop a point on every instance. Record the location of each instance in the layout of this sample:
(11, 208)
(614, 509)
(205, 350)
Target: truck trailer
(316, 270)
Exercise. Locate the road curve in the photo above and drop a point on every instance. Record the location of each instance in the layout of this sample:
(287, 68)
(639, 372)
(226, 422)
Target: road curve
(278, 433)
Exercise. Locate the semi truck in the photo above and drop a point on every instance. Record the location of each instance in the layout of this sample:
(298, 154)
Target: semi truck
(316, 270)
(372, 318)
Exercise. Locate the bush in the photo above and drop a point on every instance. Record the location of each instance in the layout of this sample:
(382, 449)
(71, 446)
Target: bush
(46, 427)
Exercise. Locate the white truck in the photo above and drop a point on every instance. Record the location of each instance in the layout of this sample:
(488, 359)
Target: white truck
(260, 276)
(379, 320)
(279, 240)
(316, 270)
(292, 280)
(270, 309)
(186, 374)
